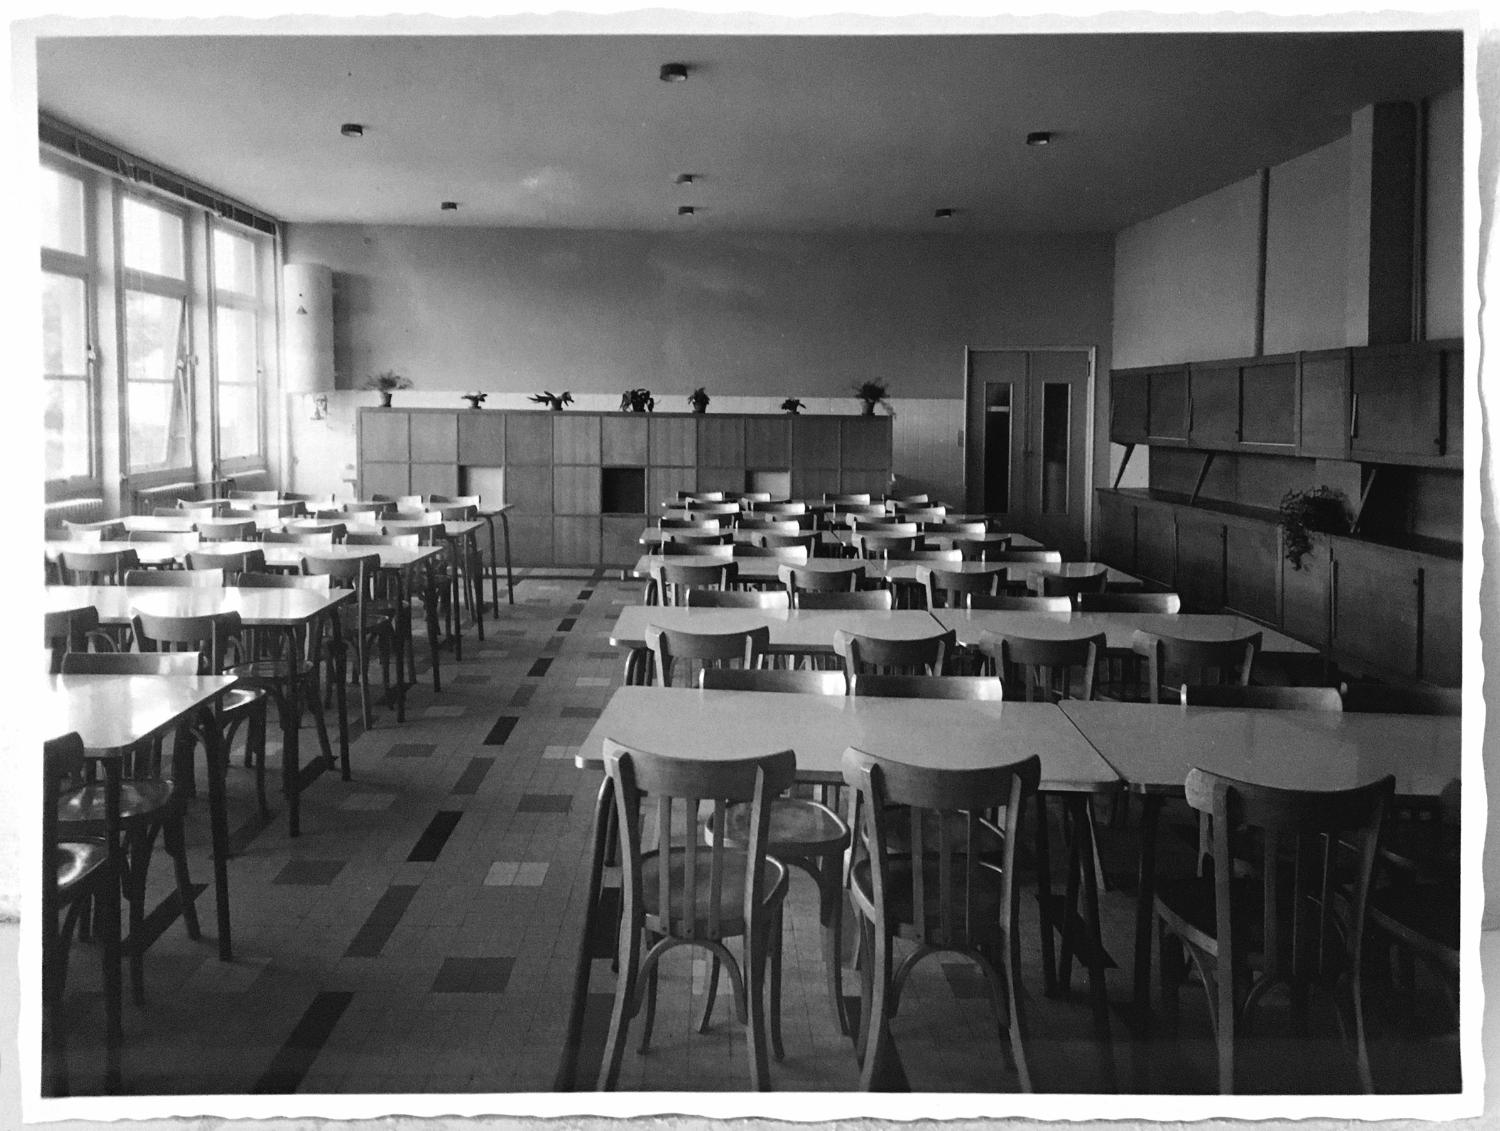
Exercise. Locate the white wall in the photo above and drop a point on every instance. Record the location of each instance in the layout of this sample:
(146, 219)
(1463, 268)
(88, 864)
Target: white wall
(1306, 230)
(1445, 216)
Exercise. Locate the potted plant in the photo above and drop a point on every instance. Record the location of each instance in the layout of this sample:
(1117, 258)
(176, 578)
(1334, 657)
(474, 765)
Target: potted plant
(476, 400)
(637, 400)
(387, 383)
(698, 399)
(554, 401)
(1304, 513)
(870, 394)
(792, 405)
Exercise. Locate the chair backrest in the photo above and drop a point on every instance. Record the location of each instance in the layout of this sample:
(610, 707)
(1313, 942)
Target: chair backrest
(1269, 698)
(972, 526)
(241, 530)
(673, 548)
(773, 679)
(1064, 585)
(319, 582)
(1172, 661)
(102, 567)
(134, 663)
(69, 631)
(697, 509)
(938, 821)
(1010, 603)
(707, 525)
(185, 509)
(768, 525)
(698, 537)
(701, 496)
(1044, 667)
(1297, 839)
(919, 500)
(1129, 603)
(455, 512)
(689, 896)
(870, 545)
(109, 528)
(294, 497)
(981, 687)
(947, 587)
(820, 581)
(371, 507)
(673, 580)
(981, 550)
(883, 524)
(1043, 557)
(357, 572)
(853, 498)
(255, 496)
(922, 554)
(445, 500)
(754, 497)
(183, 537)
(790, 508)
(176, 578)
(807, 543)
(1365, 696)
(370, 538)
(302, 537)
(791, 555)
(216, 635)
(277, 509)
(876, 599)
(925, 655)
(232, 564)
(738, 598)
(667, 646)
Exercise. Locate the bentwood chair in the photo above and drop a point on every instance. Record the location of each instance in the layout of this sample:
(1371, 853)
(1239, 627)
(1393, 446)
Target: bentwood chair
(820, 580)
(853, 498)
(76, 870)
(947, 587)
(1162, 603)
(979, 549)
(970, 687)
(176, 578)
(871, 599)
(873, 545)
(1005, 602)
(927, 655)
(1266, 915)
(1262, 698)
(242, 530)
(679, 892)
(1412, 699)
(73, 630)
(105, 567)
(673, 580)
(1172, 661)
(232, 564)
(703, 525)
(668, 646)
(722, 551)
(107, 529)
(738, 598)
(365, 620)
(924, 868)
(807, 543)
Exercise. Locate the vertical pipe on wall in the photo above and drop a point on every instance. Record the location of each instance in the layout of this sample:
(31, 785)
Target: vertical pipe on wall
(1263, 221)
(1419, 223)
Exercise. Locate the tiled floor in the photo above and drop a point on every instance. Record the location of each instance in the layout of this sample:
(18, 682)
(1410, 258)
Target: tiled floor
(419, 935)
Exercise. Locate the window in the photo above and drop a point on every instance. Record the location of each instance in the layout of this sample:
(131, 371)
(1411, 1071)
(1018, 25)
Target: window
(67, 334)
(239, 320)
(157, 338)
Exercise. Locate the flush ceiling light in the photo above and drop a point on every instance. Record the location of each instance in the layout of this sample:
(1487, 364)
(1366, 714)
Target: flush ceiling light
(942, 214)
(1039, 137)
(674, 72)
(685, 178)
(687, 210)
(352, 129)
(449, 206)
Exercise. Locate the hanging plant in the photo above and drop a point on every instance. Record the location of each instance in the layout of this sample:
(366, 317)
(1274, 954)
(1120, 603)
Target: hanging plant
(1305, 513)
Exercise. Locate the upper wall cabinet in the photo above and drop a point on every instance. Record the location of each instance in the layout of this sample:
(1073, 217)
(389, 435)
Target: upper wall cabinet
(1248, 404)
(1127, 406)
(1167, 406)
(1399, 403)
(1325, 404)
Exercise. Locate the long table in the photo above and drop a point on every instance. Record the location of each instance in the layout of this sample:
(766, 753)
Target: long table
(712, 725)
(285, 609)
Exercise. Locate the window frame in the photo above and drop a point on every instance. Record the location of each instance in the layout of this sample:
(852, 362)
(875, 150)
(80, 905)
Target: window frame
(261, 305)
(84, 267)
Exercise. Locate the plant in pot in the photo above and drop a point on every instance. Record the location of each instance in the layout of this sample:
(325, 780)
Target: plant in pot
(637, 400)
(554, 401)
(792, 405)
(1305, 513)
(476, 400)
(870, 394)
(699, 399)
(387, 383)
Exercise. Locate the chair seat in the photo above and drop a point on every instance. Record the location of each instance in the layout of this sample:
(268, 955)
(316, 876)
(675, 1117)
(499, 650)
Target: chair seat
(267, 671)
(731, 892)
(986, 911)
(798, 827)
(76, 860)
(374, 619)
(1426, 909)
(138, 800)
(238, 699)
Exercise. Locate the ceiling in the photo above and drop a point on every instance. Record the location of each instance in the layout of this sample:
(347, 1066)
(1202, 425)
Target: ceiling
(788, 133)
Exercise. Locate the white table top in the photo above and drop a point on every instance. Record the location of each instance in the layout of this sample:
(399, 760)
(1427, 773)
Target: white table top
(264, 520)
(760, 569)
(791, 629)
(1119, 628)
(279, 555)
(1154, 746)
(255, 606)
(710, 725)
(110, 712)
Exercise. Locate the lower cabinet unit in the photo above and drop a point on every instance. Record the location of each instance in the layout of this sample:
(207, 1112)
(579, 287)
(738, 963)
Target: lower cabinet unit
(1252, 568)
(1375, 607)
(1200, 561)
(1307, 592)
(1442, 621)
(1116, 543)
(1155, 543)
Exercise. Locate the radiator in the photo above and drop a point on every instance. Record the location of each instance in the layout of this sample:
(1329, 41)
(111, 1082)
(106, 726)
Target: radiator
(90, 509)
(147, 499)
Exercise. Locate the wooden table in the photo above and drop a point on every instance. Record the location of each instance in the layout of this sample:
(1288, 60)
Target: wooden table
(111, 713)
(285, 609)
(711, 725)
(1153, 747)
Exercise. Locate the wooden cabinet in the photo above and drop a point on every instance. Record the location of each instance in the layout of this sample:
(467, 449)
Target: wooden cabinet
(624, 440)
(434, 437)
(1307, 592)
(481, 439)
(865, 443)
(1269, 394)
(1199, 567)
(384, 435)
(379, 477)
(1324, 407)
(1442, 622)
(815, 443)
(1115, 544)
(575, 490)
(528, 439)
(1376, 597)
(721, 443)
(575, 438)
(1215, 398)
(1397, 403)
(1167, 406)
(434, 478)
(1155, 543)
(1127, 406)
(767, 442)
(673, 440)
(1252, 569)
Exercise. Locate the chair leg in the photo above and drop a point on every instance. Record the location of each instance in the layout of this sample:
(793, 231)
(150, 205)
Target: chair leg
(878, 1044)
(831, 914)
(755, 962)
(775, 942)
(173, 841)
(648, 1022)
(139, 857)
(255, 740)
(619, 1017)
(711, 995)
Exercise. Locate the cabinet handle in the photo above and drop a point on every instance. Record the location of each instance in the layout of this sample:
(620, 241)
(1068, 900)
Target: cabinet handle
(1353, 415)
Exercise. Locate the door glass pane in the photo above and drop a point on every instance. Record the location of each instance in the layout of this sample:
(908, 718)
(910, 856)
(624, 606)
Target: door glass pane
(65, 419)
(156, 385)
(234, 262)
(65, 428)
(237, 355)
(997, 442)
(62, 212)
(153, 239)
(239, 421)
(1056, 405)
(64, 325)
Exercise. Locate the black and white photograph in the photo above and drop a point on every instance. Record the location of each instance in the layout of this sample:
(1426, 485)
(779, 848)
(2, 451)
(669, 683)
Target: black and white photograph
(618, 563)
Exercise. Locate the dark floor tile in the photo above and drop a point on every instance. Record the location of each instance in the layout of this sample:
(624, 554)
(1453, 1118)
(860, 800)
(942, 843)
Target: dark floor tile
(501, 730)
(309, 873)
(539, 669)
(522, 695)
(295, 1057)
(585, 594)
(469, 781)
(381, 921)
(411, 750)
(545, 803)
(555, 644)
(165, 913)
(580, 712)
(473, 976)
(430, 844)
(566, 624)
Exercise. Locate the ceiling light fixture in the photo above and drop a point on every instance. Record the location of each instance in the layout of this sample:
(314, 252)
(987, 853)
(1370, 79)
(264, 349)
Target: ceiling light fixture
(942, 214)
(449, 206)
(1039, 137)
(674, 72)
(686, 210)
(352, 129)
(685, 178)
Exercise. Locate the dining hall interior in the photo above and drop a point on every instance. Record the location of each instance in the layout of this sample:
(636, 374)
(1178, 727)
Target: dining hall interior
(1020, 476)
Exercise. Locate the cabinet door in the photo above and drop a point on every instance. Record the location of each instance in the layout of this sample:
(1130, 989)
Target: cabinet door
(575, 490)
(434, 437)
(1215, 405)
(663, 483)
(1453, 402)
(1116, 533)
(1200, 563)
(1398, 402)
(624, 440)
(383, 435)
(865, 442)
(1442, 622)
(815, 442)
(1268, 404)
(1155, 543)
(575, 541)
(1375, 597)
(380, 478)
(1252, 556)
(528, 440)
(674, 441)
(721, 443)
(1127, 406)
(1325, 405)
(575, 439)
(1307, 592)
(434, 479)
(481, 439)
(1167, 405)
(767, 442)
